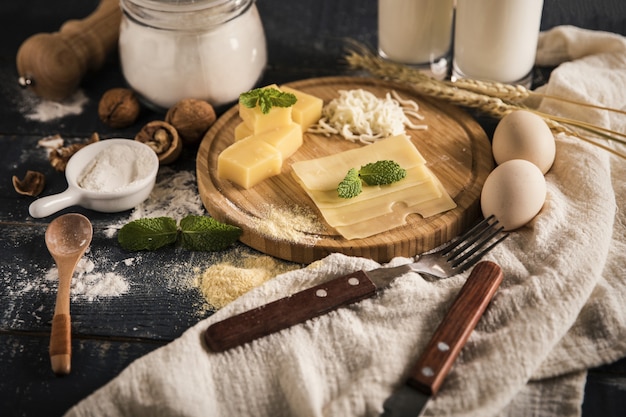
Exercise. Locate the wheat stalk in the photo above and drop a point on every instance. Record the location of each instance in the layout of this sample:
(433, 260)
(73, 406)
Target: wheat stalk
(491, 98)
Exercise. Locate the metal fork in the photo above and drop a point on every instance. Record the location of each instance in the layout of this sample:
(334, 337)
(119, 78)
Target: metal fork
(453, 258)
(463, 252)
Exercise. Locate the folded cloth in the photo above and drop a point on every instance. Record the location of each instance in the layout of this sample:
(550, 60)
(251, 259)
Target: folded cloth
(557, 312)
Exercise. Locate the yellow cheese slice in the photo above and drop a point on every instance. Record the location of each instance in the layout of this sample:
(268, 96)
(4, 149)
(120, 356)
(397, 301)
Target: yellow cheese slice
(397, 217)
(330, 198)
(327, 172)
(248, 162)
(308, 108)
(376, 209)
(388, 203)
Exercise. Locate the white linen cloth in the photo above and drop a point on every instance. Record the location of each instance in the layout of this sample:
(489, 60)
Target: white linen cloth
(558, 312)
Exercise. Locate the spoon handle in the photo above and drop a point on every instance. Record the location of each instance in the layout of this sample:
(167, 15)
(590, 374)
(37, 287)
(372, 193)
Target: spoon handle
(61, 344)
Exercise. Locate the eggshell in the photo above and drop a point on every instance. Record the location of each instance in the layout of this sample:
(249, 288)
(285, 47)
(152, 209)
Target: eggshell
(524, 135)
(514, 192)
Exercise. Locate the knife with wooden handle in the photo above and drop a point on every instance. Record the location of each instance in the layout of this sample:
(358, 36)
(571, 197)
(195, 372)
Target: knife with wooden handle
(297, 308)
(427, 375)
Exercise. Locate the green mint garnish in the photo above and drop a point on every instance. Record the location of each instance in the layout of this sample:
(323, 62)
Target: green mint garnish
(148, 234)
(351, 185)
(382, 172)
(198, 233)
(266, 98)
(376, 173)
(207, 234)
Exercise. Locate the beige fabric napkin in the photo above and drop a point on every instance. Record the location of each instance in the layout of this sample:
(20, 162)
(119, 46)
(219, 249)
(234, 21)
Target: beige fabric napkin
(558, 311)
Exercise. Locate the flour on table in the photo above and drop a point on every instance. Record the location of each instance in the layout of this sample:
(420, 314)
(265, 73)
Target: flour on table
(175, 195)
(90, 285)
(41, 110)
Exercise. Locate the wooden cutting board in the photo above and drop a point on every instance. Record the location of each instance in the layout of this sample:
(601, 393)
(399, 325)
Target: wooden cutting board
(456, 148)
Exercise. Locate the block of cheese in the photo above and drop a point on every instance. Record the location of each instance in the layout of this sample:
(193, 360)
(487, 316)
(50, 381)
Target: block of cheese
(287, 139)
(248, 162)
(242, 131)
(258, 122)
(376, 209)
(308, 108)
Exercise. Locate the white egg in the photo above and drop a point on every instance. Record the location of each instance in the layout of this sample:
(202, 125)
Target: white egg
(522, 134)
(514, 192)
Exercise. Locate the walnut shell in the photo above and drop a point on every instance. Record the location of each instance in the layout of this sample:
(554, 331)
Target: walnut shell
(119, 108)
(163, 139)
(191, 118)
(31, 185)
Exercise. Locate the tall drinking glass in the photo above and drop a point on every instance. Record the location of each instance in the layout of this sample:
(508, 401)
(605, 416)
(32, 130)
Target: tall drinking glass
(496, 40)
(417, 33)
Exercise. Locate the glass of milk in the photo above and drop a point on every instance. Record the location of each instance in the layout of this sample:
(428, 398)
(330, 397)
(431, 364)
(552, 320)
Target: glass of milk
(496, 40)
(417, 33)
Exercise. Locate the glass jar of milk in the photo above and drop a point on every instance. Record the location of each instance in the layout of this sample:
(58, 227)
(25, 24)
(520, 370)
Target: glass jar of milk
(496, 40)
(212, 50)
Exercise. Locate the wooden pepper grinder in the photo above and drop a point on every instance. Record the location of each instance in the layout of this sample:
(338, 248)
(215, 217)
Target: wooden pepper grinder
(53, 65)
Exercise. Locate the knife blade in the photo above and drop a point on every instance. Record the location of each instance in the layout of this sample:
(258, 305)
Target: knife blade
(430, 370)
(299, 307)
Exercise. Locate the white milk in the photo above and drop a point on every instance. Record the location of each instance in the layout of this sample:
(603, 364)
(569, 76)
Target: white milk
(496, 40)
(415, 32)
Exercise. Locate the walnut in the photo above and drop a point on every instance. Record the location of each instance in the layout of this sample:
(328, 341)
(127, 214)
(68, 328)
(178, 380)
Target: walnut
(163, 139)
(31, 185)
(118, 108)
(58, 157)
(191, 118)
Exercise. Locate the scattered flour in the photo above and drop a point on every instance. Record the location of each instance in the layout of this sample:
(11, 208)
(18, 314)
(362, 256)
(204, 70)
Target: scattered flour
(175, 195)
(41, 110)
(89, 285)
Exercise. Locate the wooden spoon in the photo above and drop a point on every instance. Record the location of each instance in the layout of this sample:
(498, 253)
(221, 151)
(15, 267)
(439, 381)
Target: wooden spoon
(67, 238)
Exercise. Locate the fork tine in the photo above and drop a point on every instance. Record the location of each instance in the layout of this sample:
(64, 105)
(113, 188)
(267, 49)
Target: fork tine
(474, 259)
(468, 237)
(465, 251)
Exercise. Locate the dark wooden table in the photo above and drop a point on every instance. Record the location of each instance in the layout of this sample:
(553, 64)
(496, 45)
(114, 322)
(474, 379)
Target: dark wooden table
(304, 40)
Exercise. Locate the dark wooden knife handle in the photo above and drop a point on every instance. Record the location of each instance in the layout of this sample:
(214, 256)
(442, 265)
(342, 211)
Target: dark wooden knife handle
(433, 366)
(288, 311)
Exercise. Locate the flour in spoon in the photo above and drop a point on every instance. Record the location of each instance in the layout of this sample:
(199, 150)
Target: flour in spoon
(115, 167)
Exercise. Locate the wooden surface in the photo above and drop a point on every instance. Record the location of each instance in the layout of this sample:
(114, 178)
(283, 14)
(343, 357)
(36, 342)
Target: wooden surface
(108, 334)
(454, 145)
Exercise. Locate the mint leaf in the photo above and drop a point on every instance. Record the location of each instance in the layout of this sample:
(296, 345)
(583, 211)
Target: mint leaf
(266, 98)
(204, 233)
(148, 234)
(351, 185)
(382, 172)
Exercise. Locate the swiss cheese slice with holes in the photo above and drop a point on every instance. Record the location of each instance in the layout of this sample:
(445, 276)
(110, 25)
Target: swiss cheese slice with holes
(379, 208)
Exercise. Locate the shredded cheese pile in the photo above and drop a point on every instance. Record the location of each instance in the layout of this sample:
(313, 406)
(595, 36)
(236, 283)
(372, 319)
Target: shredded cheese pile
(359, 115)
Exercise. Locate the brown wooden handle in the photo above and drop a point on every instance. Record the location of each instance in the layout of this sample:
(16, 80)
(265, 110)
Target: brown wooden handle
(289, 311)
(61, 344)
(433, 366)
(53, 65)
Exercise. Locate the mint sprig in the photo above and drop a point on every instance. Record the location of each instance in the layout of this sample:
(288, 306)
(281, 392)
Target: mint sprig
(381, 172)
(206, 233)
(198, 233)
(351, 185)
(148, 234)
(266, 98)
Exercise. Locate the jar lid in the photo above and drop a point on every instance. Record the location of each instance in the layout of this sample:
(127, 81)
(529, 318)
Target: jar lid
(184, 14)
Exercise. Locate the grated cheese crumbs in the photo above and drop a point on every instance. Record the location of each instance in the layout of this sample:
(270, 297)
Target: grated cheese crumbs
(222, 283)
(359, 115)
